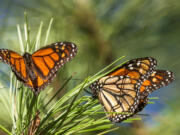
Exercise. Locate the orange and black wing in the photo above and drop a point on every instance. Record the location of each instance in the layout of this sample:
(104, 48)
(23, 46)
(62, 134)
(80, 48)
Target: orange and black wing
(16, 62)
(139, 69)
(158, 79)
(47, 60)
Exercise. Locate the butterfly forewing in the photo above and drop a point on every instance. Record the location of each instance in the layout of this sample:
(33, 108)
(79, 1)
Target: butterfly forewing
(17, 63)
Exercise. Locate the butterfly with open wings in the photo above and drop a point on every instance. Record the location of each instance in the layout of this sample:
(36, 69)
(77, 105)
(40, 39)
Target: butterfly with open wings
(38, 69)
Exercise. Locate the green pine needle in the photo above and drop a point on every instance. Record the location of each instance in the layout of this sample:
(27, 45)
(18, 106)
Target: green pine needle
(5, 130)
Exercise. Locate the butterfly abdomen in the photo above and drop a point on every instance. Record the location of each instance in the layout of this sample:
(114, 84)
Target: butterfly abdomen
(29, 66)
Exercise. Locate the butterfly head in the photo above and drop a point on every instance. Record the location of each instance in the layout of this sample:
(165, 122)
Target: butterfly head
(95, 87)
(27, 55)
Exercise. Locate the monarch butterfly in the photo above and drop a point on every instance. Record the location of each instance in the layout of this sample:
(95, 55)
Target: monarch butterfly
(125, 89)
(119, 90)
(38, 69)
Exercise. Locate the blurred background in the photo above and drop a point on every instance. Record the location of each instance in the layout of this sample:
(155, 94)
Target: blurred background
(105, 30)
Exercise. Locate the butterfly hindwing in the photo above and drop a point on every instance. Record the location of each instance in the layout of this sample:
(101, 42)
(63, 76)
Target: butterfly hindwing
(156, 80)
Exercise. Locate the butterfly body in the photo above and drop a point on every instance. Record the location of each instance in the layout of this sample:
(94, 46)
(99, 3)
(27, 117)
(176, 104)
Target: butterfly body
(38, 69)
(30, 71)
